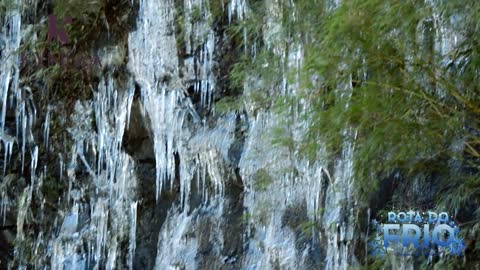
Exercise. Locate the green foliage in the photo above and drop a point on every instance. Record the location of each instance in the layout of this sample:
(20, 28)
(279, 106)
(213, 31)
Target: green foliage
(77, 8)
(52, 189)
(309, 228)
(7, 5)
(196, 14)
(262, 180)
(260, 217)
(65, 72)
(228, 104)
(402, 110)
(373, 74)
(282, 137)
(180, 29)
(217, 8)
(86, 17)
(238, 73)
(380, 82)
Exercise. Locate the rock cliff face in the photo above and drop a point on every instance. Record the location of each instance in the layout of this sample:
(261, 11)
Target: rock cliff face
(133, 165)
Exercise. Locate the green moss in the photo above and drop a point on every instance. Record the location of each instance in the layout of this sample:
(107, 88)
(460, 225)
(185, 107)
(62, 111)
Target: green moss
(52, 189)
(179, 22)
(262, 180)
(217, 9)
(260, 216)
(228, 104)
(77, 9)
(196, 14)
(7, 5)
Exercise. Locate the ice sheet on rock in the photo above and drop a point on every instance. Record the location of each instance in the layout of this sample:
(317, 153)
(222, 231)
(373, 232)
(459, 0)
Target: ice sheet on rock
(70, 223)
(174, 249)
(64, 245)
(267, 207)
(211, 148)
(132, 234)
(277, 248)
(183, 233)
(339, 218)
(152, 47)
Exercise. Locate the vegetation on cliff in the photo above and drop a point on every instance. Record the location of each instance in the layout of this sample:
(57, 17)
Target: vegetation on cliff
(398, 78)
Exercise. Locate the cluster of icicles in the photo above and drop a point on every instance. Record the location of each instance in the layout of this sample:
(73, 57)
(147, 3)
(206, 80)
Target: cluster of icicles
(91, 228)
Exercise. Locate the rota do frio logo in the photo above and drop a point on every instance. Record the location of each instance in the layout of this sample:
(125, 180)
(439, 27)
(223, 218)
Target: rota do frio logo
(415, 233)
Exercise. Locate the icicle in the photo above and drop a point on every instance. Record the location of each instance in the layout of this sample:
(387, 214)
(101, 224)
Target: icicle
(131, 92)
(132, 240)
(112, 254)
(9, 71)
(24, 132)
(84, 161)
(34, 162)
(71, 172)
(99, 216)
(46, 128)
(207, 80)
(237, 8)
(3, 206)
(153, 56)
(61, 165)
(8, 142)
(165, 126)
